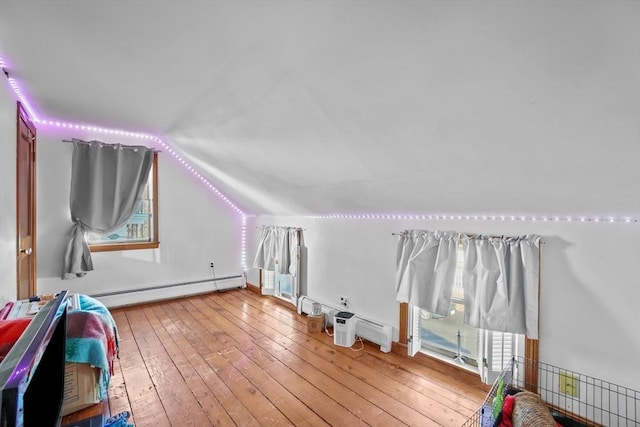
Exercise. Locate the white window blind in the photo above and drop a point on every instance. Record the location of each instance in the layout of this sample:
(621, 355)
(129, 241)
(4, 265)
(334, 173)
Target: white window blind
(498, 349)
(268, 282)
(415, 339)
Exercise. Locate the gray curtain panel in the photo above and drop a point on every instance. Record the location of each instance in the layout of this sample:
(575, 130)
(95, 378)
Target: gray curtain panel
(276, 249)
(500, 282)
(500, 277)
(107, 181)
(426, 268)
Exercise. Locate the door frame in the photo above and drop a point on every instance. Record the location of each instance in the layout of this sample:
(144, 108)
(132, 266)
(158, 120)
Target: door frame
(22, 119)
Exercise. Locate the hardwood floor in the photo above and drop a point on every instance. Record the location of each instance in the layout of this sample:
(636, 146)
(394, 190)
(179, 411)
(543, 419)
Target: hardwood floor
(236, 358)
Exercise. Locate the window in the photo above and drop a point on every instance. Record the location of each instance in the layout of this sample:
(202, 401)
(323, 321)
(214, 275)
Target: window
(448, 336)
(280, 285)
(450, 339)
(141, 232)
(278, 257)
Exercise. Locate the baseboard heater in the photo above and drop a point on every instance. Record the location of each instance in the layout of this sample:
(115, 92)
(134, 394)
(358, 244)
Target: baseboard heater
(370, 330)
(168, 291)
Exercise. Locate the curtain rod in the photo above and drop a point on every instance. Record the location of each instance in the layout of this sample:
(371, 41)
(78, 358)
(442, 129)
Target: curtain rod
(115, 145)
(476, 235)
(283, 226)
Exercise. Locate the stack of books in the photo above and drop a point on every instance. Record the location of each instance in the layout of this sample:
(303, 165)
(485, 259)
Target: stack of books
(29, 308)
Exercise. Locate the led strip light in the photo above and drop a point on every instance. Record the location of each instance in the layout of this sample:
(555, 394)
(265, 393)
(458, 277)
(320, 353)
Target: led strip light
(61, 124)
(155, 140)
(521, 218)
(117, 132)
(159, 142)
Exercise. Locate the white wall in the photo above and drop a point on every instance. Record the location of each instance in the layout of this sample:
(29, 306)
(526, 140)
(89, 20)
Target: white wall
(590, 286)
(7, 191)
(195, 227)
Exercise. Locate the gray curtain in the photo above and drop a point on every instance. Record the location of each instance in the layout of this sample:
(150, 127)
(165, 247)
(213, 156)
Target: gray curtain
(107, 181)
(500, 282)
(277, 249)
(426, 268)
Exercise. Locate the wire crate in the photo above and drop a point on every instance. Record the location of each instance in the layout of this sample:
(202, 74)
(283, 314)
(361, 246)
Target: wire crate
(574, 399)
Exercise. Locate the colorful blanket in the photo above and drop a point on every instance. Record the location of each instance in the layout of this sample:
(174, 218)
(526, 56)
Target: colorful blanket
(92, 336)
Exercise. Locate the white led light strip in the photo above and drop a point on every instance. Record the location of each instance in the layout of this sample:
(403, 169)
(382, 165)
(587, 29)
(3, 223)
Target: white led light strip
(521, 218)
(244, 243)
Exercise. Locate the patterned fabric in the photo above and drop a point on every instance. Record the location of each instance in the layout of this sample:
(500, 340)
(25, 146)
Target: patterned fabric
(92, 337)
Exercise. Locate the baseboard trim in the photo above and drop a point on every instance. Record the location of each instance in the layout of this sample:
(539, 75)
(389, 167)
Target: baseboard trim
(253, 288)
(127, 297)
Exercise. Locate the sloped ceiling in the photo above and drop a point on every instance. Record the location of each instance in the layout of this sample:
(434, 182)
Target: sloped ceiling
(317, 107)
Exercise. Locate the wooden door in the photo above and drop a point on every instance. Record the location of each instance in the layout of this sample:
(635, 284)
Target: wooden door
(26, 205)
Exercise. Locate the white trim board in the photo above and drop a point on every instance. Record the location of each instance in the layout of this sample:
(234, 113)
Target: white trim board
(169, 291)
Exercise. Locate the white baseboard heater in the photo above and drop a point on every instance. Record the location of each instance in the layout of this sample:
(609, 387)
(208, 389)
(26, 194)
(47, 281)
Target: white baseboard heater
(370, 330)
(126, 297)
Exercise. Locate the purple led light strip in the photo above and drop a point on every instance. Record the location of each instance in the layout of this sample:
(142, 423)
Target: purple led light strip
(154, 139)
(177, 158)
(189, 168)
(61, 124)
(19, 93)
(16, 89)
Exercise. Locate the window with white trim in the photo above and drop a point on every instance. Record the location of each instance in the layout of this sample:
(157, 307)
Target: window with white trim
(448, 338)
(280, 247)
(141, 231)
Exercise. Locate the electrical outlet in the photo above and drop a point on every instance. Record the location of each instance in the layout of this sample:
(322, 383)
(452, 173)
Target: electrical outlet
(211, 266)
(569, 384)
(344, 301)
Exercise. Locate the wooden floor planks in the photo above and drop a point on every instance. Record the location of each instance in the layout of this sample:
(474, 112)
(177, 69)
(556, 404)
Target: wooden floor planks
(237, 358)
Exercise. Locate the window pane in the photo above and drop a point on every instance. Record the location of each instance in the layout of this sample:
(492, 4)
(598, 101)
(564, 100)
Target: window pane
(440, 334)
(140, 228)
(285, 285)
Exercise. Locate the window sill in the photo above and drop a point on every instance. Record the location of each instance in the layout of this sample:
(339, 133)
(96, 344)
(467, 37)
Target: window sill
(471, 377)
(450, 361)
(124, 247)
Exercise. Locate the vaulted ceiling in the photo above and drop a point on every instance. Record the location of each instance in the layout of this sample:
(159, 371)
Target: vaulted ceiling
(317, 107)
